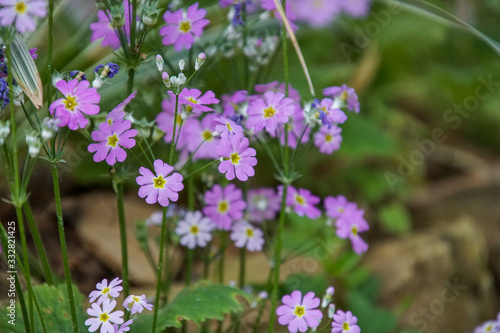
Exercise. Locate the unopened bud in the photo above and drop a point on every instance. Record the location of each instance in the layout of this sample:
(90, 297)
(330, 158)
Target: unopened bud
(182, 79)
(97, 83)
(182, 63)
(331, 311)
(165, 76)
(199, 61)
(159, 63)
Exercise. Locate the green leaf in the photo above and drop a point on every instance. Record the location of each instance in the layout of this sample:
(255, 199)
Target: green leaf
(395, 218)
(25, 72)
(198, 303)
(54, 305)
(369, 317)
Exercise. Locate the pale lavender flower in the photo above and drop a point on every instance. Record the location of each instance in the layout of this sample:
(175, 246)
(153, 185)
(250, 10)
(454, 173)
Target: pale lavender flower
(356, 8)
(237, 158)
(345, 94)
(135, 304)
(159, 187)
(302, 202)
(106, 291)
(345, 322)
(490, 326)
(299, 314)
(195, 230)
(22, 12)
(224, 205)
(316, 13)
(183, 26)
(337, 206)
(263, 204)
(104, 317)
(123, 327)
(245, 235)
(350, 225)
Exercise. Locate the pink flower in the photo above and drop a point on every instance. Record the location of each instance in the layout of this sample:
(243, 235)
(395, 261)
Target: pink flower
(345, 94)
(111, 141)
(299, 314)
(355, 8)
(337, 206)
(350, 225)
(345, 322)
(183, 26)
(227, 127)
(263, 204)
(21, 11)
(327, 139)
(224, 205)
(135, 304)
(165, 119)
(248, 236)
(195, 103)
(327, 108)
(105, 291)
(195, 230)
(317, 13)
(103, 28)
(104, 317)
(237, 158)
(78, 100)
(269, 111)
(233, 104)
(118, 113)
(302, 202)
(159, 187)
(196, 133)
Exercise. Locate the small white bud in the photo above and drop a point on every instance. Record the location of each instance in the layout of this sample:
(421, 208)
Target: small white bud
(215, 134)
(199, 61)
(98, 83)
(159, 63)
(331, 311)
(182, 63)
(182, 79)
(56, 77)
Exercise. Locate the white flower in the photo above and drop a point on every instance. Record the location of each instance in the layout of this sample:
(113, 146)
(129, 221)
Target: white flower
(104, 317)
(195, 230)
(246, 235)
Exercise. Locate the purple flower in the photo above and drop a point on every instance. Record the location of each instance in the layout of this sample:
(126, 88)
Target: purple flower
(248, 236)
(195, 103)
(33, 53)
(278, 87)
(329, 112)
(237, 159)
(78, 100)
(135, 304)
(356, 8)
(345, 322)
(22, 12)
(105, 317)
(159, 187)
(183, 26)
(489, 326)
(111, 141)
(224, 205)
(271, 6)
(195, 230)
(123, 327)
(165, 119)
(345, 94)
(350, 225)
(263, 204)
(269, 111)
(327, 139)
(227, 127)
(233, 104)
(299, 314)
(110, 70)
(337, 206)
(302, 202)
(317, 13)
(105, 291)
(118, 113)
(104, 29)
(197, 133)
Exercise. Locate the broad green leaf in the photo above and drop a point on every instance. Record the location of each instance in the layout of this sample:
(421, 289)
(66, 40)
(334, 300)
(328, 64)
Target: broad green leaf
(198, 303)
(54, 306)
(369, 317)
(395, 218)
(25, 72)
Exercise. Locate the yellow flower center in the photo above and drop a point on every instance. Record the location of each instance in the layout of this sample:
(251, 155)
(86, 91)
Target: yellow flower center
(229, 127)
(235, 158)
(185, 26)
(21, 7)
(223, 207)
(269, 112)
(345, 326)
(104, 317)
(299, 311)
(179, 119)
(159, 182)
(105, 291)
(344, 96)
(136, 299)
(207, 135)
(192, 100)
(354, 230)
(70, 103)
(194, 230)
(328, 138)
(300, 199)
(112, 140)
(249, 232)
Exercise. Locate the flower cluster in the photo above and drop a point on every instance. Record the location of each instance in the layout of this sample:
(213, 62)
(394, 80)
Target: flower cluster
(102, 308)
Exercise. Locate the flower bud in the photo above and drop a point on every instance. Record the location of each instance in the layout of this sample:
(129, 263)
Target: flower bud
(182, 63)
(199, 61)
(159, 63)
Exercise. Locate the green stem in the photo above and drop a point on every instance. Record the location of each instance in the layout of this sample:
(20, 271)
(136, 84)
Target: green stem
(130, 81)
(243, 257)
(223, 244)
(47, 272)
(172, 144)
(123, 237)
(159, 271)
(64, 251)
(189, 270)
(49, 51)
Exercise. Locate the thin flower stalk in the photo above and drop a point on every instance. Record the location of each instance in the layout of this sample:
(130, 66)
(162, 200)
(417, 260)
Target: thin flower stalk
(123, 236)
